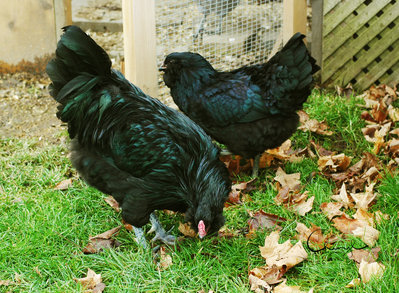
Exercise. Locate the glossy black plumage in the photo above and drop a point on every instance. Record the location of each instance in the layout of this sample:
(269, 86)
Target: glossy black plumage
(129, 145)
(250, 109)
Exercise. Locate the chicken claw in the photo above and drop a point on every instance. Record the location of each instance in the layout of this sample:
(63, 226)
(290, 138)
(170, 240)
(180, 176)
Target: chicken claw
(160, 233)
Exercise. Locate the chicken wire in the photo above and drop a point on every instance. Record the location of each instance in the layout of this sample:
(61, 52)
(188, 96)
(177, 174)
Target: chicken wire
(235, 32)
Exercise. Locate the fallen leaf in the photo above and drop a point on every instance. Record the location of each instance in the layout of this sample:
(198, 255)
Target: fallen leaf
(346, 92)
(304, 207)
(63, 185)
(367, 255)
(304, 232)
(312, 125)
(92, 281)
(284, 153)
(270, 275)
(364, 199)
(284, 288)
(165, 259)
(102, 241)
(334, 163)
(113, 203)
(284, 254)
(354, 283)
(342, 197)
(347, 225)
(367, 234)
(262, 220)
(6, 282)
(186, 230)
(258, 285)
(393, 113)
(368, 271)
(331, 209)
(363, 215)
(227, 233)
(379, 217)
(288, 180)
(321, 152)
(236, 191)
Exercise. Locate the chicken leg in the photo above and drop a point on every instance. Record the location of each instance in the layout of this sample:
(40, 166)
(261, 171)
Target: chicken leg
(140, 238)
(160, 233)
(255, 168)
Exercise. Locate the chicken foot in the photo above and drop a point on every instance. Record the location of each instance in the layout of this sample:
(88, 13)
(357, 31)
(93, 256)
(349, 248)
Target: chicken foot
(160, 233)
(140, 238)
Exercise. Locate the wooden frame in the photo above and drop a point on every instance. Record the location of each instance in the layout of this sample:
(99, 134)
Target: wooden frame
(294, 18)
(140, 44)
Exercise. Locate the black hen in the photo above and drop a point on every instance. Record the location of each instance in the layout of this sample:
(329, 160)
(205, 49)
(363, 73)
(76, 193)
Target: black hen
(127, 144)
(249, 109)
(219, 7)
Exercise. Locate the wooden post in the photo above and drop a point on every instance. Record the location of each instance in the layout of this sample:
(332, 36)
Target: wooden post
(294, 18)
(63, 15)
(140, 44)
(317, 31)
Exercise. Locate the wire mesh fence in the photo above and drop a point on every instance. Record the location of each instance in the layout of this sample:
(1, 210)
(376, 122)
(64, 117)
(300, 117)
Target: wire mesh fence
(228, 33)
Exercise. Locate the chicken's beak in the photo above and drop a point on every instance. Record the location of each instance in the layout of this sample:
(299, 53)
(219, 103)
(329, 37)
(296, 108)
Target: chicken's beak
(162, 68)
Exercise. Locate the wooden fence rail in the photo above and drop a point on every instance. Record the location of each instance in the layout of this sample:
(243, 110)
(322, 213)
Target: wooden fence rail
(359, 43)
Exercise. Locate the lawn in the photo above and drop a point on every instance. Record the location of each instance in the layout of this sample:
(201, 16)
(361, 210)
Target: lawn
(43, 230)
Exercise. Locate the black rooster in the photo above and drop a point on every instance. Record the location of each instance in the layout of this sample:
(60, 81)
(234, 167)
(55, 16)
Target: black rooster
(220, 7)
(249, 109)
(127, 144)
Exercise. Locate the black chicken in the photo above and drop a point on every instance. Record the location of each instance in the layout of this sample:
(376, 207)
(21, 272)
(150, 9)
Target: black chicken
(249, 109)
(127, 144)
(220, 7)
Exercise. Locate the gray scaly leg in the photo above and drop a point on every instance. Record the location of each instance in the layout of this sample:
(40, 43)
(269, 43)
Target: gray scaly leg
(255, 169)
(160, 233)
(140, 237)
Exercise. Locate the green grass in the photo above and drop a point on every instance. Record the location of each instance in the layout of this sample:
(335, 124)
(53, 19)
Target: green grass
(44, 230)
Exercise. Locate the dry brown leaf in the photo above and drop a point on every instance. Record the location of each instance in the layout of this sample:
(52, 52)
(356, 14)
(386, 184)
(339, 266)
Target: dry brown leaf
(284, 254)
(321, 152)
(379, 217)
(347, 225)
(288, 180)
(367, 234)
(331, 209)
(342, 197)
(354, 283)
(165, 260)
(270, 275)
(258, 285)
(186, 230)
(304, 207)
(92, 281)
(284, 288)
(227, 233)
(363, 215)
(393, 113)
(262, 220)
(102, 241)
(312, 125)
(63, 185)
(236, 191)
(285, 153)
(364, 199)
(367, 255)
(304, 232)
(6, 282)
(368, 271)
(113, 203)
(335, 163)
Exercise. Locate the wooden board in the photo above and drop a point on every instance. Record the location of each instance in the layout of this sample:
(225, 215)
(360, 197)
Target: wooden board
(140, 44)
(27, 30)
